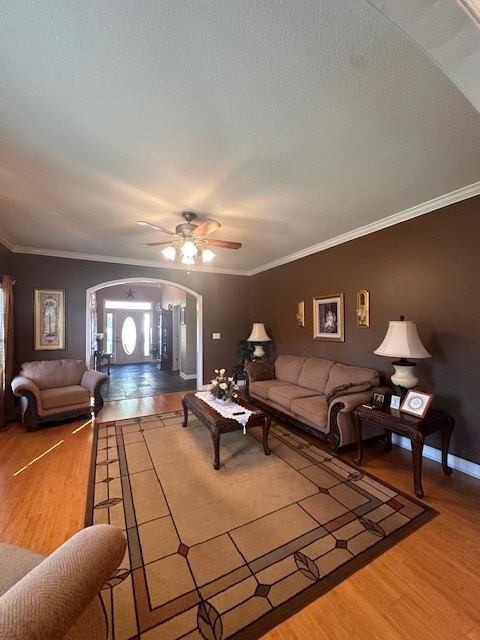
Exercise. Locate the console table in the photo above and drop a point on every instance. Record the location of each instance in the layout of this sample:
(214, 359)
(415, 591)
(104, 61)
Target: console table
(413, 427)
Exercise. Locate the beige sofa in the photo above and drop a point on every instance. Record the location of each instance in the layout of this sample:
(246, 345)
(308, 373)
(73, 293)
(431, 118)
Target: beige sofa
(58, 596)
(57, 390)
(313, 393)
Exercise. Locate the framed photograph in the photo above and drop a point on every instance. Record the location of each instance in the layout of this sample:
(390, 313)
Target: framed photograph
(183, 319)
(328, 318)
(301, 314)
(416, 403)
(378, 399)
(395, 402)
(48, 319)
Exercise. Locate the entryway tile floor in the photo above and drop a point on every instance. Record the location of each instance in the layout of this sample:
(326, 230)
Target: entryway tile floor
(127, 381)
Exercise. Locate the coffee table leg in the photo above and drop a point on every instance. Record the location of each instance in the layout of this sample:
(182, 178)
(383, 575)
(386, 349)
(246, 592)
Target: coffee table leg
(185, 413)
(266, 428)
(216, 449)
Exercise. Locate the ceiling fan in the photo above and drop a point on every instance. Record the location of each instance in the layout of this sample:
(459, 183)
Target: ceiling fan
(190, 239)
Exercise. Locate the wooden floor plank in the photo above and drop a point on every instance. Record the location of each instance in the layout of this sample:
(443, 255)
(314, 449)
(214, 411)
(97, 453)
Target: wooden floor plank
(427, 586)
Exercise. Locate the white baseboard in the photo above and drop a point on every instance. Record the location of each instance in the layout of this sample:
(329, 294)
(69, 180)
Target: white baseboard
(470, 468)
(188, 376)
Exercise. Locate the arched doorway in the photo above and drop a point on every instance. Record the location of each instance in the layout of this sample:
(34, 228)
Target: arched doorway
(129, 282)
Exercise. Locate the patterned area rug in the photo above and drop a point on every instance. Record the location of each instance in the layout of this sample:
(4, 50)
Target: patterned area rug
(231, 553)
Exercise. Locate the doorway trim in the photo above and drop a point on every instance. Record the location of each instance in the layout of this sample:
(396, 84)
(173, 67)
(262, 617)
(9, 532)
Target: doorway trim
(140, 280)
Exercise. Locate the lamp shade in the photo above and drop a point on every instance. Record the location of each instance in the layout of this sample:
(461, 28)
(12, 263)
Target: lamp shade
(402, 341)
(258, 333)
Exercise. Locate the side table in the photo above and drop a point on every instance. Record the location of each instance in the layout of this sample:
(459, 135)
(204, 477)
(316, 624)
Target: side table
(413, 427)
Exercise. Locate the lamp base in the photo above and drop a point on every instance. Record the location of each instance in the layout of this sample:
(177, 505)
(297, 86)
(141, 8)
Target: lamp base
(404, 376)
(259, 351)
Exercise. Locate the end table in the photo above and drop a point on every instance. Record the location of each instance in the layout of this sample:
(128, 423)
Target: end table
(413, 427)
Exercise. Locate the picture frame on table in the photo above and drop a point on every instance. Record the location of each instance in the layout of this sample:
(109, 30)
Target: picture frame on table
(48, 319)
(328, 318)
(416, 403)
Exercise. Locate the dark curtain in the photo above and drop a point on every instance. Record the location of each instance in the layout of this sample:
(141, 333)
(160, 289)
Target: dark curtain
(7, 405)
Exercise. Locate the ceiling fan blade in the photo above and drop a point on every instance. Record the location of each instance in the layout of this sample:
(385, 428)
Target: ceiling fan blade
(209, 226)
(223, 243)
(155, 244)
(142, 223)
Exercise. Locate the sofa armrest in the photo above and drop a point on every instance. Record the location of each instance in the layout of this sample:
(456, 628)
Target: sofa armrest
(351, 400)
(91, 379)
(22, 386)
(49, 599)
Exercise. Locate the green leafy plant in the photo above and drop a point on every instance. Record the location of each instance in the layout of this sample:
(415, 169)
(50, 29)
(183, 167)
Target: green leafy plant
(245, 350)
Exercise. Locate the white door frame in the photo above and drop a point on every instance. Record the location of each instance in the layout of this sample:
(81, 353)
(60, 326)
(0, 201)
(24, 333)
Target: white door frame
(140, 280)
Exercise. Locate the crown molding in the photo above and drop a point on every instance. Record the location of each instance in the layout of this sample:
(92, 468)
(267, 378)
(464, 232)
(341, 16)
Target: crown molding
(419, 210)
(129, 261)
(414, 212)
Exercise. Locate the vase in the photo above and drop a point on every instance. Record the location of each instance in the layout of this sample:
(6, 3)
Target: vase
(222, 400)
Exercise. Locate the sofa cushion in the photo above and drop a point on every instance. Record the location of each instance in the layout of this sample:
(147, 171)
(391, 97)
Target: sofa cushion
(313, 409)
(54, 373)
(342, 374)
(314, 373)
(287, 368)
(284, 394)
(262, 387)
(15, 563)
(64, 396)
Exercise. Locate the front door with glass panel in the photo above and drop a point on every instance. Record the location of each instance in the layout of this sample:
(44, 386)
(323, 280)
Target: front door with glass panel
(131, 329)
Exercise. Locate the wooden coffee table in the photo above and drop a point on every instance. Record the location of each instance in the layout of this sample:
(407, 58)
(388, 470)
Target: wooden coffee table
(217, 424)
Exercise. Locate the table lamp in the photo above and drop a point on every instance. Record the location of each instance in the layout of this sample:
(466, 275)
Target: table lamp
(402, 341)
(258, 337)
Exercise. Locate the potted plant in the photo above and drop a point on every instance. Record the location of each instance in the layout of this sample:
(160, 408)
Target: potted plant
(245, 350)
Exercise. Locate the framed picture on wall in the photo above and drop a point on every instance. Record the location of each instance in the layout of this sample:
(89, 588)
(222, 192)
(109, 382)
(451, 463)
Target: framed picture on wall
(328, 321)
(48, 319)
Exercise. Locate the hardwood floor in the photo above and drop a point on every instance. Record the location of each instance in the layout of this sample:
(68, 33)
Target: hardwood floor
(427, 586)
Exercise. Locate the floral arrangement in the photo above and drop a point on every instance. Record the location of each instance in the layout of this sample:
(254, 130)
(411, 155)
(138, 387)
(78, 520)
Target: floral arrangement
(223, 387)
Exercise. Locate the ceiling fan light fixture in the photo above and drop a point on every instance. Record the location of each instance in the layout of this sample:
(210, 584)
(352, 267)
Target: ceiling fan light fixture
(188, 249)
(187, 260)
(207, 255)
(169, 252)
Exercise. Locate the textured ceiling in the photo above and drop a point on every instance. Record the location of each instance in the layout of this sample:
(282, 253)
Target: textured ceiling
(292, 122)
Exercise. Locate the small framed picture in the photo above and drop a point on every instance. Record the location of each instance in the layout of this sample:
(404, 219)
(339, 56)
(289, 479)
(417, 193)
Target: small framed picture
(416, 403)
(395, 402)
(378, 399)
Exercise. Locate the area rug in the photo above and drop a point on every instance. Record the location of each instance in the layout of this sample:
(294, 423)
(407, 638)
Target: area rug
(231, 553)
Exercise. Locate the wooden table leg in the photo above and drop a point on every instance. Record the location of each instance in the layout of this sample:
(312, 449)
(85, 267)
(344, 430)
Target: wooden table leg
(216, 449)
(446, 433)
(388, 440)
(185, 413)
(266, 428)
(417, 452)
(358, 436)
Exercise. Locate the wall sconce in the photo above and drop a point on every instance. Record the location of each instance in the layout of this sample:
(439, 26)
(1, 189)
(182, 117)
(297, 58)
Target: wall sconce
(300, 314)
(363, 308)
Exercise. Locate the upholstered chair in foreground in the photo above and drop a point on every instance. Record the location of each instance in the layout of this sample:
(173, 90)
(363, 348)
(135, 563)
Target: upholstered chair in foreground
(58, 596)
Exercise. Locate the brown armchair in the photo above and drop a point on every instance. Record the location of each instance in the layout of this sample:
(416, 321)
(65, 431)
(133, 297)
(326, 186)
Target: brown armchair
(56, 390)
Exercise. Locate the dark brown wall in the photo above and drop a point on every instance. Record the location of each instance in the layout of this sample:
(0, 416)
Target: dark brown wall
(426, 269)
(225, 304)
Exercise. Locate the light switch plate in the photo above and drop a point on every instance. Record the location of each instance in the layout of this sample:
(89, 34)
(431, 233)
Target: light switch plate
(216, 336)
